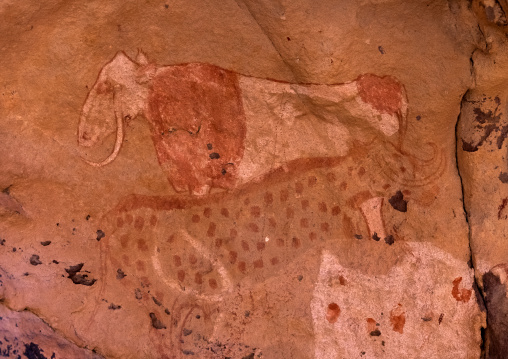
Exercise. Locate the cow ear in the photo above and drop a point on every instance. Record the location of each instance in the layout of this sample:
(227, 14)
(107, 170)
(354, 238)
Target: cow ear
(141, 58)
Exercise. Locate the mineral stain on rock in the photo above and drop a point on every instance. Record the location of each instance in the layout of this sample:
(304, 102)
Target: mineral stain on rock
(100, 234)
(79, 278)
(398, 202)
(34, 260)
(156, 323)
(497, 311)
(32, 351)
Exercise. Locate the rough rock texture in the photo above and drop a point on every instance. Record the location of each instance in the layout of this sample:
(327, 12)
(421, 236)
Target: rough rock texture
(23, 334)
(253, 179)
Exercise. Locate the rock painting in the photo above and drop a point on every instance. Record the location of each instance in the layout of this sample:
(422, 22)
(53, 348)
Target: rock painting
(273, 170)
(414, 301)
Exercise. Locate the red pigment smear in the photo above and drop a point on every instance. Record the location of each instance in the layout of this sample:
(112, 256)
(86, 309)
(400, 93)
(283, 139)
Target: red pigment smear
(268, 198)
(371, 325)
(461, 295)
(189, 107)
(382, 93)
(398, 319)
(258, 263)
(332, 312)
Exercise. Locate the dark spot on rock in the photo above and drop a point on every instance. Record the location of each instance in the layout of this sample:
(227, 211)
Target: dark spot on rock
(503, 177)
(55, 261)
(418, 118)
(167, 311)
(58, 224)
(26, 274)
(198, 316)
(358, 236)
(501, 207)
(440, 318)
(288, 38)
(156, 323)
(382, 342)
(426, 319)
(497, 313)
(375, 237)
(114, 306)
(390, 240)
(100, 234)
(187, 352)
(87, 217)
(120, 274)
(32, 351)
(300, 277)
(34, 260)
(77, 278)
(46, 243)
(398, 202)
(468, 147)
(223, 171)
(186, 332)
(209, 146)
(375, 333)
(2, 242)
(166, 6)
(381, 50)
(214, 156)
(156, 301)
(247, 314)
(137, 294)
(250, 356)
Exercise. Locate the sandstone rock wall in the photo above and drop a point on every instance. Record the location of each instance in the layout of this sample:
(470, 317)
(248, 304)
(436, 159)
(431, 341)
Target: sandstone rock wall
(253, 179)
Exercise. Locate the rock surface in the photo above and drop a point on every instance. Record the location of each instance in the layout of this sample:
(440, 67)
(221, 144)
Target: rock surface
(264, 179)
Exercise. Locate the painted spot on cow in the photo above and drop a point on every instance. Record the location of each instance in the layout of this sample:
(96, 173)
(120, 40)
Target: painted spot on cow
(332, 312)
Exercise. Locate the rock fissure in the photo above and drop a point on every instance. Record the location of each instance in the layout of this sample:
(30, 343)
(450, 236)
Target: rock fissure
(478, 293)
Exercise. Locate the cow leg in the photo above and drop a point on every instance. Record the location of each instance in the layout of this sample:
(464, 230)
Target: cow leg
(371, 211)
